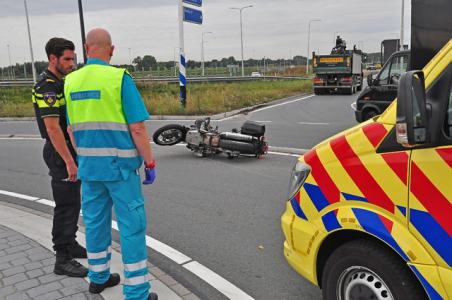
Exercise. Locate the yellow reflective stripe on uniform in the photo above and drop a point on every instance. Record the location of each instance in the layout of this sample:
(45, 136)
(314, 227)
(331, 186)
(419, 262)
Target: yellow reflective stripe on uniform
(100, 126)
(107, 152)
(98, 255)
(136, 266)
(137, 280)
(99, 268)
(43, 104)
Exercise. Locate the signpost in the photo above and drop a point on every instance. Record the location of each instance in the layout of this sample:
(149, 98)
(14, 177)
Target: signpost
(194, 2)
(192, 15)
(186, 14)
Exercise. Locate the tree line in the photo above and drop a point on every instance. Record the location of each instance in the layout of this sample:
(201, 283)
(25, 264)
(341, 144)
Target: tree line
(149, 63)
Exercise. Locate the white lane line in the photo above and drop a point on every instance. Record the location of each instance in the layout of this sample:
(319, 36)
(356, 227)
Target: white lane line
(280, 104)
(46, 202)
(157, 120)
(21, 138)
(284, 154)
(215, 280)
(16, 195)
(221, 284)
(262, 121)
(313, 123)
(166, 250)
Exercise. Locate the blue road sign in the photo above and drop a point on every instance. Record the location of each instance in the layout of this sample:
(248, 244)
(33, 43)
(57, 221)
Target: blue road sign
(192, 15)
(193, 2)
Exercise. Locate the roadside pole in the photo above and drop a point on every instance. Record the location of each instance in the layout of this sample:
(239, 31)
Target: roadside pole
(191, 15)
(182, 70)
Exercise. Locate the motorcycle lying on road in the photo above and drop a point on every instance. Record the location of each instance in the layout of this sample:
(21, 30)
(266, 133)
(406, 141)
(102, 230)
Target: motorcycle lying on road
(203, 139)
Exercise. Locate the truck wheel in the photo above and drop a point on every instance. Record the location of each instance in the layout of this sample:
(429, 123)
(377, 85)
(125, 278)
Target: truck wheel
(363, 269)
(317, 91)
(360, 87)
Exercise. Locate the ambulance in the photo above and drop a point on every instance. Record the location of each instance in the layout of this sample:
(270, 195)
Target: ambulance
(369, 210)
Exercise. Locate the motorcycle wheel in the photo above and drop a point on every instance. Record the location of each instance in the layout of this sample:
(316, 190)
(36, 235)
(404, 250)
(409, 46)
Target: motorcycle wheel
(169, 135)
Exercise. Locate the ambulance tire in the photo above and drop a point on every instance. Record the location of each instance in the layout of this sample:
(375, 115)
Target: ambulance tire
(368, 269)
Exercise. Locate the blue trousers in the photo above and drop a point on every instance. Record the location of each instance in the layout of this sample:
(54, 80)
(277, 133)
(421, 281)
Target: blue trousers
(98, 198)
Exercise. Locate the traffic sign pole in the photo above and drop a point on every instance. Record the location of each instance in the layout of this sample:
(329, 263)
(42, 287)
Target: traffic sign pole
(182, 69)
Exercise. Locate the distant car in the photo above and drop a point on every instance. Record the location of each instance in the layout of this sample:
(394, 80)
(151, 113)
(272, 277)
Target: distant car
(371, 68)
(256, 74)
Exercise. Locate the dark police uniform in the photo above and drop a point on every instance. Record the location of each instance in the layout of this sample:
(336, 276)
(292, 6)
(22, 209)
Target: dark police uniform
(48, 101)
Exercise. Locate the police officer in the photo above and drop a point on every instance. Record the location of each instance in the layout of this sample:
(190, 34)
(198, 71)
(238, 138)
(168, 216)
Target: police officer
(106, 115)
(50, 109)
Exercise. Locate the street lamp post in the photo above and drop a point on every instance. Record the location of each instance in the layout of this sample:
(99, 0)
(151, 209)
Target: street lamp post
(33, 69)
(11, 70)
(82, 28)
(309, 38)
(241, 32)
(202, 50)
(401, 26)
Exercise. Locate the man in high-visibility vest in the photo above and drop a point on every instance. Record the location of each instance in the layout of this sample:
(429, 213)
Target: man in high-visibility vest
(106, 119)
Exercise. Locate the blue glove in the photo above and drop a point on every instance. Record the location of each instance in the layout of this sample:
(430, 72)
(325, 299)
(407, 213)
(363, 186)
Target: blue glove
(149, 175)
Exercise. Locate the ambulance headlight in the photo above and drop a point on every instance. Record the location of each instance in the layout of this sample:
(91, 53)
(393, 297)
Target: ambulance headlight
(299, 174)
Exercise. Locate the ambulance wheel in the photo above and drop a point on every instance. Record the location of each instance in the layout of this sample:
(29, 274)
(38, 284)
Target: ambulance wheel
(169, 135)
(363, 269)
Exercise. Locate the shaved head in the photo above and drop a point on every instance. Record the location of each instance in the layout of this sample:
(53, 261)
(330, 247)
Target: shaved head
(98, 44)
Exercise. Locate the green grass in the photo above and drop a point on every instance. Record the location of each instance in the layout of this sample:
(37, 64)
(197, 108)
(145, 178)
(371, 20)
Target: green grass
(163, 98)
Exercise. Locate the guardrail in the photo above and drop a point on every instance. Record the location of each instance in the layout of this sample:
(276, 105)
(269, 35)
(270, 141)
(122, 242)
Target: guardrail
(29, 83)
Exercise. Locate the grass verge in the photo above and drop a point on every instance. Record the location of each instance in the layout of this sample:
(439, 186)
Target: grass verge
(162, 98)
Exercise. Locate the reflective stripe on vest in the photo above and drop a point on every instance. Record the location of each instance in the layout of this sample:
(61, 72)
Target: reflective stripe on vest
(100, 126)
(107, 152)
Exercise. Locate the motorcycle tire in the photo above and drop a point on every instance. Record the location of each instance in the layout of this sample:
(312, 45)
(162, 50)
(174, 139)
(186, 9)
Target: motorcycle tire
(243, 148)
(169, 135)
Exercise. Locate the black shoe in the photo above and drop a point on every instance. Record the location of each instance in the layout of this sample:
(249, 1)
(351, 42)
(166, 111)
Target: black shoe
(77, 251)
(153, 296)
(69, 267)
(96, 288)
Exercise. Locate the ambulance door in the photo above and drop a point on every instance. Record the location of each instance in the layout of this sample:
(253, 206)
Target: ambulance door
(430, 195)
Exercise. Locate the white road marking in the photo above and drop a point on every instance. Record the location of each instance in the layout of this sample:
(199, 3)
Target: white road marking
(21, 138)
(171, 253)
(46, 202)
(215, 280)
(284, 154)
(221, 284)
(313, 123)
(280, 104)
(157, 120)
(16, 195)
(262, 121)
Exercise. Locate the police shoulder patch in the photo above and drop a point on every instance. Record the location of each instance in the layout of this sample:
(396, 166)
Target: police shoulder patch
(50, 98)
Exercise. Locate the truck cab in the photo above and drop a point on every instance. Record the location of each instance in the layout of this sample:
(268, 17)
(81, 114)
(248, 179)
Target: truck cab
(368, 213)
(381, 90)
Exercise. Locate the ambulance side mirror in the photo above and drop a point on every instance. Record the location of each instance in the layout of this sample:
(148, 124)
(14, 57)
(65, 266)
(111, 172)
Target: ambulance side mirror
(412, 117)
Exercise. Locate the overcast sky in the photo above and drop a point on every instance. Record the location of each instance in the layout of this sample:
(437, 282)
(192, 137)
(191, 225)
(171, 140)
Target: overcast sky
(271, 28)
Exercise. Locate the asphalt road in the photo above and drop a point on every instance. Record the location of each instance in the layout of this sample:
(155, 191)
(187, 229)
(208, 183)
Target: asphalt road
(222, 213)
